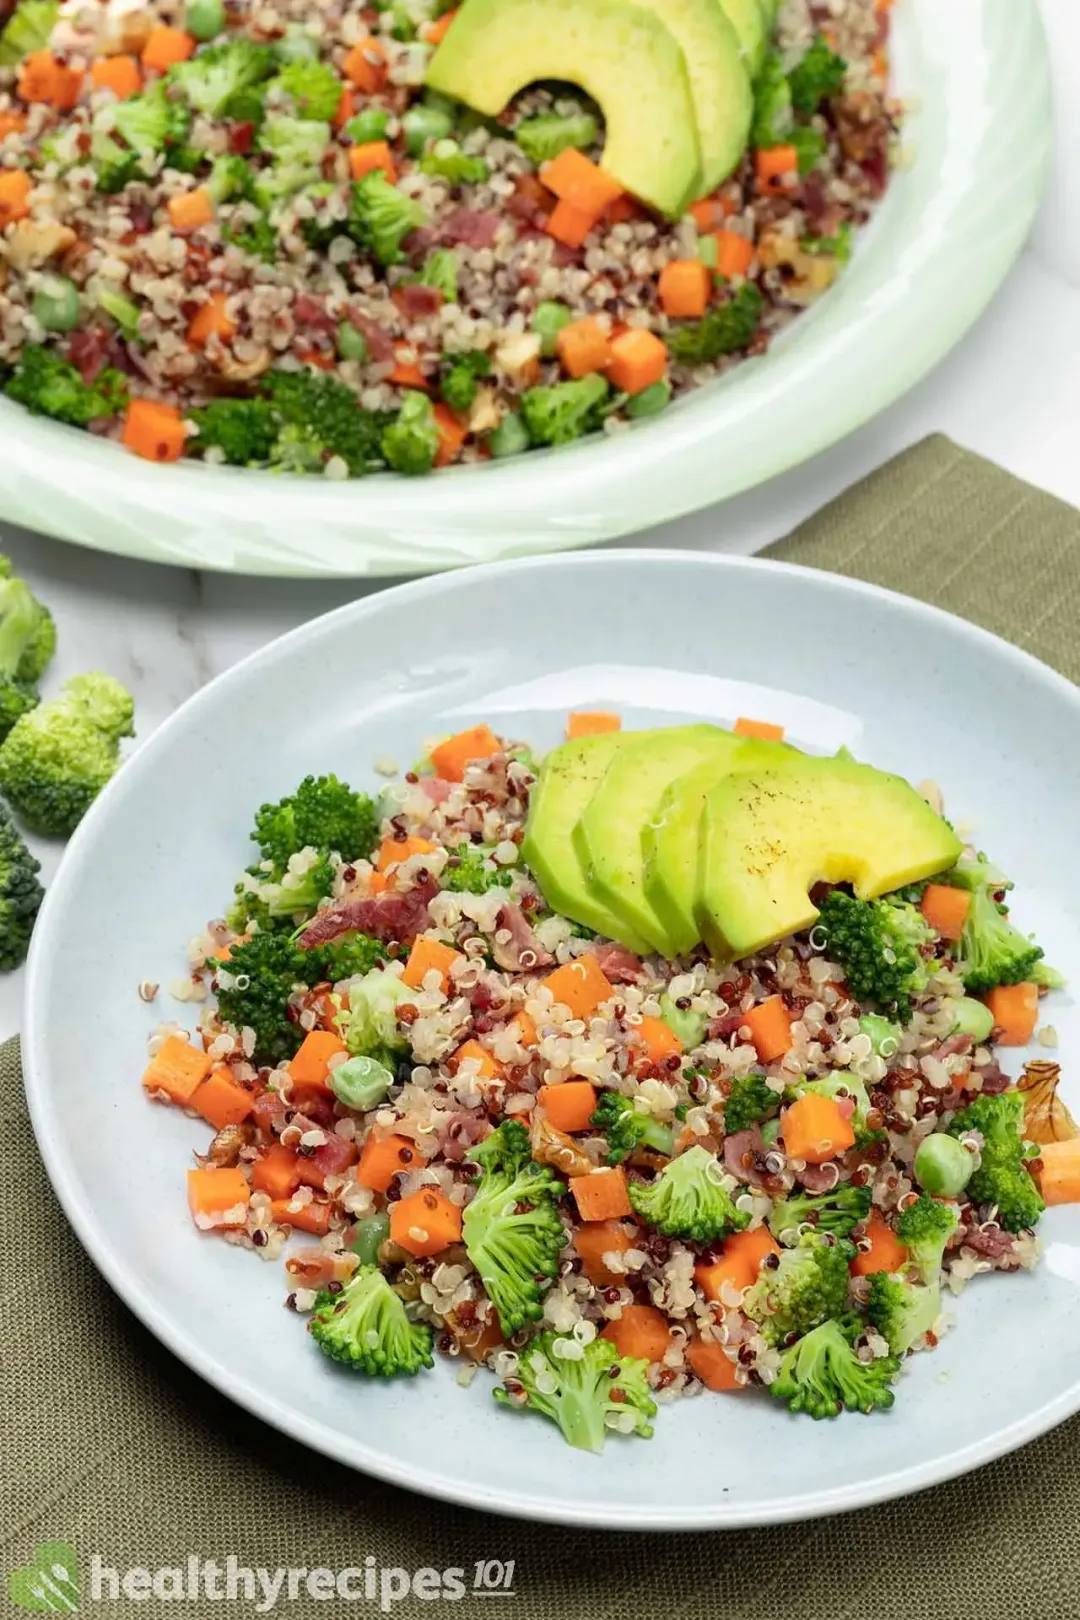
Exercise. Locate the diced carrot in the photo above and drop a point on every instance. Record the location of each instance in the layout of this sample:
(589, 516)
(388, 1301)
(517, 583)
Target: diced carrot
(406, 373)
(392, 851)
(1015, 1010)
(526, 1029)
(346, 107)
(879, 64)
(580, 182)
(190, 210)
(815, 1129)
(218, 1196)
(43, 79)
(945, 909)
(453, 754)
(452, 431)
(710, 1362)
(154, 431)
(776, 169)
(590, 723)
(580, 985)
(379, 882)
(601, 1195)
(704, 215)
(210, 320)
(886, 1252)
(221, 1100)
(1059, 1177)
(224, 952)
(684, 288)
(569, 225)
(583, 347)
(733, 254)
(438, 30)
(641, 1332)
(311, 1065)
(569, 1106)
(763, 730)
(472, 1051)
(638, 360)
(120, 74)
(659, 1041)
(739, 1262)
(11, 123)
(369, 156)
(318, 357)
(313, 1217)
(596, 1239)
(477, 1339)
(276, 1172)
(177, 1068)
(425, 1223)
(753, 1247)
(622, 210)
(165, 47)
(15, 188)
(381, 1157)
(770, 1029)
(426, 955)
(365, 65)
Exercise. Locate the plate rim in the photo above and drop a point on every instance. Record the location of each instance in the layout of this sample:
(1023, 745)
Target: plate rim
(349, 1450)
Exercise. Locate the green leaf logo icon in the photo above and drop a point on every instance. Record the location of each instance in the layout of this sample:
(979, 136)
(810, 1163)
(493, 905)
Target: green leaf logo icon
(50, 1585)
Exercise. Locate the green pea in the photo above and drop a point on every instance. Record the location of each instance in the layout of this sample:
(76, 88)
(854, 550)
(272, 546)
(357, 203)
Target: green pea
(511, 436)
(122, 310)
(884, 1035)
(205, 19)
(423, 124)
(651, 400)
(56, 304)
(351, 344)
(368, 1235)
(686, 1025)
(708, 252)
(369, 125)
(549, 320)
(974, 1019)
(770, 1132)
(361, 1082)
(943, 1166)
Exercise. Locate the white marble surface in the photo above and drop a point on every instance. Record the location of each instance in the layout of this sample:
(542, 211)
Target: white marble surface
(1010, 391)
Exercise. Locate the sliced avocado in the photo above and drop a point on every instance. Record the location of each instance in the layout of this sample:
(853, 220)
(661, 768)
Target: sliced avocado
(622, 55)
(670, 840)
(768, 836)
(719, 82)
(608, 838)
(568, 778)
(747, 17)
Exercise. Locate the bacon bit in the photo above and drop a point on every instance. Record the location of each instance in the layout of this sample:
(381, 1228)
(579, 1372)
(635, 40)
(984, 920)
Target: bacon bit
(242, 138)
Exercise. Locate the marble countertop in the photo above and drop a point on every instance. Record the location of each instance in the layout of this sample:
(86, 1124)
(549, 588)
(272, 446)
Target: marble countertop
(1011, 391)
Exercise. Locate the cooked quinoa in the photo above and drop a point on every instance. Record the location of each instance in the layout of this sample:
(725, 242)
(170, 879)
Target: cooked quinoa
(155, 287)
(452, 969)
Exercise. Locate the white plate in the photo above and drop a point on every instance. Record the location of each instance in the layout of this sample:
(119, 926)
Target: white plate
(976, 143)
(661, 637)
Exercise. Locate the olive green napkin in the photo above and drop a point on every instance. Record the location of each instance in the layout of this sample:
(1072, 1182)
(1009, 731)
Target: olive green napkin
(109, 1446)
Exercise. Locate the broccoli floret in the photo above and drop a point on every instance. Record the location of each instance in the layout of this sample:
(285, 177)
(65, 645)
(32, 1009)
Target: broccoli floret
(839, 1212)
(808, 1286)
(255, 236)
(411, 442)
(298, 450)
(369, 1025)
(819, 75)
(902, 1311)
(924, 1228)
(305, 881)
(1002, 1178)
(323, 813)
(593, 1393)
(230, 177)
(57, 758)
(381, 217)
(367, 1327)
(560, 412)
(458, 379)
(545, 136)
(837, 247)
(689, 1200)
(722, 331)
(49, 385)
(215, 80)
(475, 871)
(446, 161)
(244, 430)
(114, 166)
(1047, 977)
(991, 951)
(20, 895)
(314, 88)
(152, 122)
(821, 1375)
(877, 945)
(27, 29)
(512, 1230)
(295, 144)
(331, 416)
(349, 958)
(809, 144)
(752, 1099)
(253, 989)
(27, 641)
(772, 104)
(627, 1128)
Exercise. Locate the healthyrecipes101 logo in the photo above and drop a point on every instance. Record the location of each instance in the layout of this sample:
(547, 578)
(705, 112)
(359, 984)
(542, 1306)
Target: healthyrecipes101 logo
(52, 1583)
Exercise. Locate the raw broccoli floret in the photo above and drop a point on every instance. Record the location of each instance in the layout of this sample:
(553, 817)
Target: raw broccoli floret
(49, 385)
(924, 1228)
(809, 144)
(369, 1026)
(216, 78)
(253, 989)
(475, 872)
(314, 88)
(837, 247)
(512, 1230)
(689, 1200)
(808, 1286)
(114, 165)
(458, 378)
(838, 1212)
(229, 178)
(587, 1395)
(819, 75)
(332, 418)
(255, 236)
(308, 878)
(752, 1099)
(323, 813)
(411, 442)
(348, 958)
(772, 104)
(381, 217)
(877, 945)
(723, 330)
(1002, 1178)
(901, 1310)
(27, 29)
(821, 1375)
(295, 144)
(545, 136)
(244, 430)
(991, 951)
(440, 270)
(446, 161)
(557, 413)
(152, 122)
(27, 643)
(627, 1128)
(367, 1327)
(57, 758)
(20, 895)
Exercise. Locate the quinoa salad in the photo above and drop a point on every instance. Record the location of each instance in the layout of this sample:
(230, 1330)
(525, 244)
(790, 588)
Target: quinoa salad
(472, 1125)
(262, 234)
